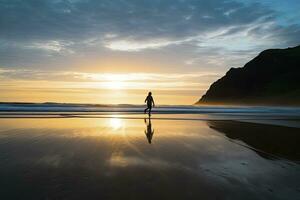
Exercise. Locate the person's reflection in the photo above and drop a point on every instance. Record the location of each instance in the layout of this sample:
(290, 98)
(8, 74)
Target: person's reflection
(149, 132)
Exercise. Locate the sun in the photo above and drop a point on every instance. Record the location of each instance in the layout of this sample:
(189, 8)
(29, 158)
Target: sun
(114, 84)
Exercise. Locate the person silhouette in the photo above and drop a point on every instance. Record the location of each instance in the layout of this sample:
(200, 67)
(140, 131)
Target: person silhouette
(149, 132)
(150, 102)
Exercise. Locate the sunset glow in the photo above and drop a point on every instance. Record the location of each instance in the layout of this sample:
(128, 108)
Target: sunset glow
(105, 88)
(149, 99)
(117, 51)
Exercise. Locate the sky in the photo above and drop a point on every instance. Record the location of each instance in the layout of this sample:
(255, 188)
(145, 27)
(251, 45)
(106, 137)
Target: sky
(115, 51)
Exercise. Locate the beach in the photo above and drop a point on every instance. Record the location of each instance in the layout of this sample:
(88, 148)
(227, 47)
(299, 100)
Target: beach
(175, 154)
(149, 100)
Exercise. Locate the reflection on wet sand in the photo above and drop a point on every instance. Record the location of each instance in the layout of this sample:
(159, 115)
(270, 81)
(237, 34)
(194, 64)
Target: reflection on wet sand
(108, 159)
(269, 141)
(148, 132)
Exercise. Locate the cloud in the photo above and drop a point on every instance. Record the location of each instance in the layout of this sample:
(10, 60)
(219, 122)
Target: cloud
(52, 46)
(52, 34)
(127, 45)
(124, 45)
(171, 81)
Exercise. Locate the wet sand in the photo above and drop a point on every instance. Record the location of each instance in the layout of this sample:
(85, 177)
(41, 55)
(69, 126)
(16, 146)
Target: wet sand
(121, 158)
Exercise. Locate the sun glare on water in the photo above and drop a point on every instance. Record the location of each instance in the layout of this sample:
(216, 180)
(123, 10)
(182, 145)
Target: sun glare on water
(115, 123)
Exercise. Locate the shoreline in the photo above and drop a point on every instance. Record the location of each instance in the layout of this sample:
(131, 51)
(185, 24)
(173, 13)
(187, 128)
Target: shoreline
(276, 120)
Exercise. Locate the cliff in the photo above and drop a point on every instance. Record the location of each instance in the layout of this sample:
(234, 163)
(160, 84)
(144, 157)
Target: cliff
(273, 77)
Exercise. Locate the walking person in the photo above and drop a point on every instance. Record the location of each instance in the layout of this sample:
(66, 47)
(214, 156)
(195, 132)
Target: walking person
(150, 102)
